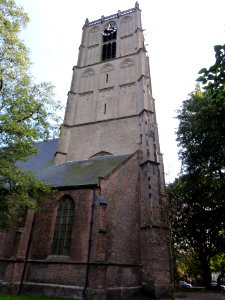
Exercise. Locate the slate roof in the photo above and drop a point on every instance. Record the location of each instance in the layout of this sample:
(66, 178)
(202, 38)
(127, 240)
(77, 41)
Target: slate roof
(69, 174)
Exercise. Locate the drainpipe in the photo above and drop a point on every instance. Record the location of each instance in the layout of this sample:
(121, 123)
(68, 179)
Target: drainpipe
(89, 243)
(26, 256)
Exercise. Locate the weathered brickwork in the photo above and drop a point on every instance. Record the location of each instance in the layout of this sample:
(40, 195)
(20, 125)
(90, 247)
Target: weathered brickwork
(8, 242)
(122, 213)
(154, 233)
(50, 273)
(45, 223)
(124, 251)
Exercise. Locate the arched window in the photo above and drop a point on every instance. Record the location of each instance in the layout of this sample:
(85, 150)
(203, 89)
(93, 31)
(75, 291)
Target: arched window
(126, 26)
(63, 227)
(127, 71)
(87, 81)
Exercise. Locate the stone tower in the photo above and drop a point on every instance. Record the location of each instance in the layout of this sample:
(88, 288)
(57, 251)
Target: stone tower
(110, 108)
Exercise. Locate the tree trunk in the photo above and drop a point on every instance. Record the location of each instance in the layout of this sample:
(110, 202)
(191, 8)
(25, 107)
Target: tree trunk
(206, 272)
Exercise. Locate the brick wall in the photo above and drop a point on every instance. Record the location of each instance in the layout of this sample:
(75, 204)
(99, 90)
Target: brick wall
(128, 240)
(45, 224)
(122, 225)
(154, 233)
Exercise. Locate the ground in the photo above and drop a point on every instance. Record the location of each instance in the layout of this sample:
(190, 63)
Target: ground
(200, 296)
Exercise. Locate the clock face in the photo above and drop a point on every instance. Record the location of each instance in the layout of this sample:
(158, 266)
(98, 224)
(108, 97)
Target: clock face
(109, 29)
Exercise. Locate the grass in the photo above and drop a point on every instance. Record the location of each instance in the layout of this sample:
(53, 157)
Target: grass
(14, 297)
(133, 298)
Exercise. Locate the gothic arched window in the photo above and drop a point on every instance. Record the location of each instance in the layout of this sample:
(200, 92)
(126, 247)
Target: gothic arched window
(87, 81)
(63, 227)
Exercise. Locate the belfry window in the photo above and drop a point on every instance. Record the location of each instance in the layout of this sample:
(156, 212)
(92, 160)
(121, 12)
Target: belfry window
(63, 228)
(109, 45)
(109, 51)
(109, 37)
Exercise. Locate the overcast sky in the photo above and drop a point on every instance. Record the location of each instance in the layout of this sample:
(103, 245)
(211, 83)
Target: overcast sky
(179, 37)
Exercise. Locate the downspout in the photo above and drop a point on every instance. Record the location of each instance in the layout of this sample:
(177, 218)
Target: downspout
(89, 243)
(26, 256)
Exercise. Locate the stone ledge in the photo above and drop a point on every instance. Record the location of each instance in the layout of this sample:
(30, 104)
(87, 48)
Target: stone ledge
(54, 290)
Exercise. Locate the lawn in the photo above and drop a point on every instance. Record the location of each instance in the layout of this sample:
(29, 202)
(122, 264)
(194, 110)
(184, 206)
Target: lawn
(13, 297)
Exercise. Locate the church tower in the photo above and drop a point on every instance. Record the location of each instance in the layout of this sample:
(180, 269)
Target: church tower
(102, 234)
(111, 111)
(110, 108)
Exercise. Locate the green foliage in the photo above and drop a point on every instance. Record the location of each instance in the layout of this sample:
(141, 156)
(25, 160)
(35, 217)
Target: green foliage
(201, 132)
(198, 195)
(213, 79)
(187, 263)
(217, 263)
(28, 112)
(197, 223)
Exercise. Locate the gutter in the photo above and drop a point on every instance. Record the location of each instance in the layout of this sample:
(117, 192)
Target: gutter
(69, 187)
(89, 243)
(26, 256)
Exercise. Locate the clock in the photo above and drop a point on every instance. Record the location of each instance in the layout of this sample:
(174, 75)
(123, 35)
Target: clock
(109, 29)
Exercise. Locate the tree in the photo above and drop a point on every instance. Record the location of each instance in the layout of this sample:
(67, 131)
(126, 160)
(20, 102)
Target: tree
(198, 221)
(27, 114)
(201, 131)
(199, 193)
(217, 264)
(188, 266)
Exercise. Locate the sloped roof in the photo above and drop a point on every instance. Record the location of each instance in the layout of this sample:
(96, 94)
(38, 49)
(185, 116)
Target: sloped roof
(69, 174)
(44, 159)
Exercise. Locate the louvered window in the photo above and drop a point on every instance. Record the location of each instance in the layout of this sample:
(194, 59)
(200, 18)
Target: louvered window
(109, 51)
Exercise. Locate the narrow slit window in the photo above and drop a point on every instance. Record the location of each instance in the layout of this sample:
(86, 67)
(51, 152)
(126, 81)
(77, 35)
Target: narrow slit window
(107, 78)
(105, 109)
